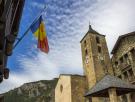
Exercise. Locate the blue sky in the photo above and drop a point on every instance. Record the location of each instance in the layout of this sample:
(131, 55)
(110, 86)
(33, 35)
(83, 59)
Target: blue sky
(66, 23)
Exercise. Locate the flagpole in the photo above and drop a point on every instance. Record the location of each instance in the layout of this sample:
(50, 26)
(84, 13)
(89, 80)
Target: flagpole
(26, 32)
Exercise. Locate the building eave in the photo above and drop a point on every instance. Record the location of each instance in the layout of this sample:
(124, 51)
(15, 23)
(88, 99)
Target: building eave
(4, 42)
(71, 75)
(119, 40)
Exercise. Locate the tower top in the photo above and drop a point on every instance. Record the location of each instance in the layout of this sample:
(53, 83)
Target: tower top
(91, 31)
(90, 27)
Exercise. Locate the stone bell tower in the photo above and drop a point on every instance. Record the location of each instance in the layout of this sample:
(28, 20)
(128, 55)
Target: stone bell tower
(95, 57)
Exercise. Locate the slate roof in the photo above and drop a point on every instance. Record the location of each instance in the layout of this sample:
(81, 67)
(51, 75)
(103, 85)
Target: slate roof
(71, 75)
(101, 88)
(91, 30)
(119, 40)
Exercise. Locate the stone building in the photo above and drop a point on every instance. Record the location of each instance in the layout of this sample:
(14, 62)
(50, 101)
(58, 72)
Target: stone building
(70, 88)
(96, 60)
(95, 57)
(105, 78)
(123, 61)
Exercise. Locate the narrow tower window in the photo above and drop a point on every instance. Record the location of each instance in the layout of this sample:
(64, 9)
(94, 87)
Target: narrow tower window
(85, 43)
(99, 49)
(97, 40)
(86, 52)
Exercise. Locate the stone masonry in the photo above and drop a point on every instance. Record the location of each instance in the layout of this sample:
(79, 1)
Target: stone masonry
(95, 57)
(97, 64)
(123, 61)
(70, 88)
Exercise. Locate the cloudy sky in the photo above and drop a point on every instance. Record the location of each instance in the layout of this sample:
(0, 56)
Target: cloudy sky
(66, 23)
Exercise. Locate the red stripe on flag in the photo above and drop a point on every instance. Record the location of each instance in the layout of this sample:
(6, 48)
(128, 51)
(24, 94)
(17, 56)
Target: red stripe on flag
(43, 45)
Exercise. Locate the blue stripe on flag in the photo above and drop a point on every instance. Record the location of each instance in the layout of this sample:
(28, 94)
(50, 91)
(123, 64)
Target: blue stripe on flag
(36, 25)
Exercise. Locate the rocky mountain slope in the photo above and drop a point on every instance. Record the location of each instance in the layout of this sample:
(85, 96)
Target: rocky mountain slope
(40, 91)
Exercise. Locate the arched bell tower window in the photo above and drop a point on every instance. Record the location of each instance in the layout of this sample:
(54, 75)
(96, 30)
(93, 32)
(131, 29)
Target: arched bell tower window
(97, 39)
(85, 43)
(99, 49)
(86, 52)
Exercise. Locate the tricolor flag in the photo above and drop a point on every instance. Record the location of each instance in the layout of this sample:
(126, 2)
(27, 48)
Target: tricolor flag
(38, 28)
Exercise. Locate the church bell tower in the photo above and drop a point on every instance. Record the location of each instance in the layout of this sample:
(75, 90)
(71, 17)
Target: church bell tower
(95, 57)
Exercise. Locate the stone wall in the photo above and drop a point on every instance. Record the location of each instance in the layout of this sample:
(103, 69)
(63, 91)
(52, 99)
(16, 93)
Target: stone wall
(125, 45)
(88, 65)
(123, 62)
(96, 60)
(63, 89)
(78, 88)
(124, 57)
(70, 88)
(95, 63)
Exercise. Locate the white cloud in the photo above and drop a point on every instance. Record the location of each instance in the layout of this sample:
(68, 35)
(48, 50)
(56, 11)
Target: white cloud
(37, 5)
(66, 26)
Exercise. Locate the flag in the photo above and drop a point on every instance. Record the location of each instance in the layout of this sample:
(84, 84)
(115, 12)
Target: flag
(38, 29)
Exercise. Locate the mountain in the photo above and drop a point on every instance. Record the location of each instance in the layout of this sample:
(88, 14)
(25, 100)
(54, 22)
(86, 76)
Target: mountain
(40, 91)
